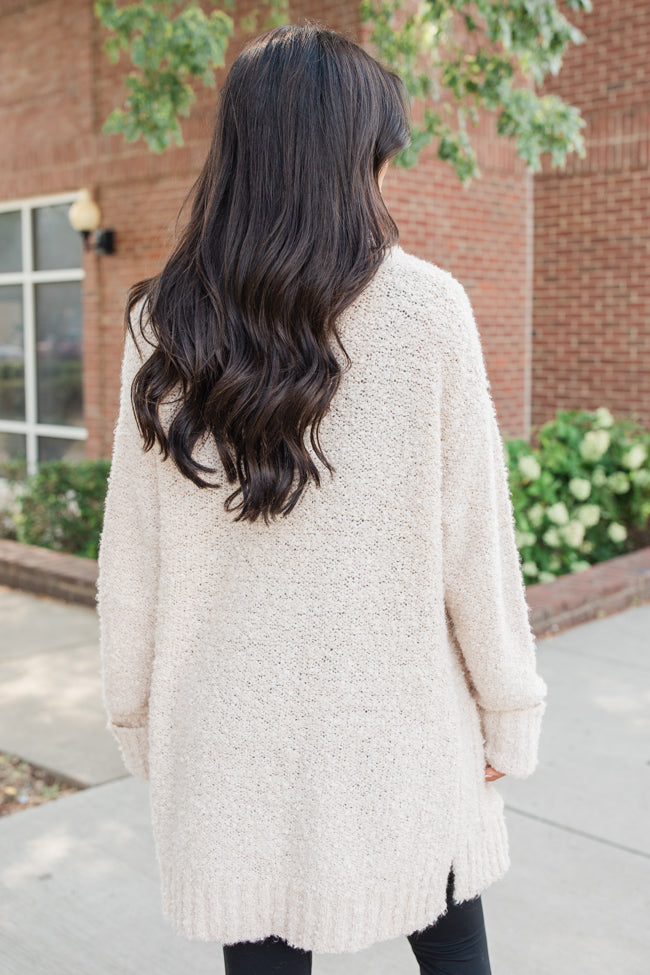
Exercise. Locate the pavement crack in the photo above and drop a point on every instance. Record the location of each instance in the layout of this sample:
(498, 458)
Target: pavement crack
(579, 832)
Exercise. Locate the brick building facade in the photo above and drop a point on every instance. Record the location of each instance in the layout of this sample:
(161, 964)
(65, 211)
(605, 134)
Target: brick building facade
(591, 338)
(62, 309)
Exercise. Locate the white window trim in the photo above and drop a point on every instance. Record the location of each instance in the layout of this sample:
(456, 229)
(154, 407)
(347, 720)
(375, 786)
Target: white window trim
(27, 278)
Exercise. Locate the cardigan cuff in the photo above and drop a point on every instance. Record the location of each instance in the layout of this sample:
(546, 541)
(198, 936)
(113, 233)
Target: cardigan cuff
(512, 739)
(134, 748)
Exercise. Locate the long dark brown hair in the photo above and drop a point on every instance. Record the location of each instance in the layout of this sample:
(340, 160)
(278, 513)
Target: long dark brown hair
(287, 227)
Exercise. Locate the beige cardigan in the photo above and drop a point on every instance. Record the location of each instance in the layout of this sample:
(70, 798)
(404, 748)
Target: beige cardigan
(313, 702)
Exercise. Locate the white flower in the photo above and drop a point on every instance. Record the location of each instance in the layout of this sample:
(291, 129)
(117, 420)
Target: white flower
(594, 444)
(603, 418)
(580, 488)
(558, 513)
(588, 514)
(525, 538)
(580, 566)
(617, 532)
(618, 482)
(73, 508)
(573, 533)
(635, 457)
(530, 569)
(546, 576)
(536, 514)
(641, 477)
(586, 547)
(529, 467)
(552, 538)
(599, 477)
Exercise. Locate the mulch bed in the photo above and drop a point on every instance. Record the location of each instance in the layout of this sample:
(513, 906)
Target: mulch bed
(23, 786)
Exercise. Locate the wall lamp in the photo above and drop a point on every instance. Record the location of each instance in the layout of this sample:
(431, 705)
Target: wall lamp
(85, 217)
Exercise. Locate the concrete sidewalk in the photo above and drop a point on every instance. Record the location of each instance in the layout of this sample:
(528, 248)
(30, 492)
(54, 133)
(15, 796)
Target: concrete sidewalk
(79, 880)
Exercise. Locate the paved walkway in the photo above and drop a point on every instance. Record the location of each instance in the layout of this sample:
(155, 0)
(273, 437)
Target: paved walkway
(79, 880)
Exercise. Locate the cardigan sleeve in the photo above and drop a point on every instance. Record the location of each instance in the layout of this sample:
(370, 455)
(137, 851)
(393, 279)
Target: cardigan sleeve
(483, 582)
(127, 582)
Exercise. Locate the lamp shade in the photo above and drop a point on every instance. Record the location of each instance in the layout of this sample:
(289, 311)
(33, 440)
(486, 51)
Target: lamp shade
(84, 214)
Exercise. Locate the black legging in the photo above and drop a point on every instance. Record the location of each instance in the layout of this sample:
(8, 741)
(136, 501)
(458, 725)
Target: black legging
(455, 945)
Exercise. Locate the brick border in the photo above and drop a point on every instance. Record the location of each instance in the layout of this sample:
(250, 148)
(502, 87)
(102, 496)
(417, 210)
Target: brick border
(47, 573)
(599, 591)
(555, 606)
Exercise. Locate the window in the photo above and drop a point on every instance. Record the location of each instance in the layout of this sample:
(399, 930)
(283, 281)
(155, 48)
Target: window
(41, 333)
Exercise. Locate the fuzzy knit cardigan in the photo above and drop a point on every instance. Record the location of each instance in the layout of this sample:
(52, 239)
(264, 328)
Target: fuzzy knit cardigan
(313, 702)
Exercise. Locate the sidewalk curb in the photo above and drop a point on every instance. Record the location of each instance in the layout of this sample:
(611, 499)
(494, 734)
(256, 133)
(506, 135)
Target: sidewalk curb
(555, 606)
(45, 572)
(600, 590)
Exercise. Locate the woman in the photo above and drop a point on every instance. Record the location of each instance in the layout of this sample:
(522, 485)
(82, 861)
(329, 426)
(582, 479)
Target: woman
(314, 635)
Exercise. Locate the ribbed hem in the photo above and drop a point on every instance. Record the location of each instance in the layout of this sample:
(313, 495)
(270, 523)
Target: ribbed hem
(485, 855)
(134, 748)
(228, 910)
(240, 912)
(512, 739)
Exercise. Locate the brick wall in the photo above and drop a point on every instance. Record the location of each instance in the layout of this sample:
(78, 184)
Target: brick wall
(591, 339)
(58, 89)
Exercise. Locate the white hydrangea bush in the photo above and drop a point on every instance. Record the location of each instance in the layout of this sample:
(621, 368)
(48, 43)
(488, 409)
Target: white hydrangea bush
(578, 495)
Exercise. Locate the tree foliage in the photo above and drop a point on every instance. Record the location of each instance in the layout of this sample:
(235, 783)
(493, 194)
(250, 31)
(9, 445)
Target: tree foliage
(487, 54)
(168, 51)
(455, 57)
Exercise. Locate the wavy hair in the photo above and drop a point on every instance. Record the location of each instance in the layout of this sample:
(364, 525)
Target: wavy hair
(287, 227)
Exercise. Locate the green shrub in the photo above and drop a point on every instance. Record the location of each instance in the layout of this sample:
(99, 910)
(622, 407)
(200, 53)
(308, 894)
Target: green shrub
(14, 469)
(579, 493)
(62, 506)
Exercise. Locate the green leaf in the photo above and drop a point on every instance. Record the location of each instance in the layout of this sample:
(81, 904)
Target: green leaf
(167, 52)
(173, 42)
(510, 38)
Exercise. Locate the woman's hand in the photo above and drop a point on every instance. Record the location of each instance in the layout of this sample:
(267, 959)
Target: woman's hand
(491, 774)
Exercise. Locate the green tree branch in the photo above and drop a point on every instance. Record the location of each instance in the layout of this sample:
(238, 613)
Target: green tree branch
(168, 52)
(473, 51)
(455, 57)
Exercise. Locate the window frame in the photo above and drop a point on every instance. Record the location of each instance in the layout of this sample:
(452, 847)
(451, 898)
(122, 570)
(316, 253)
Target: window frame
(28, 278)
